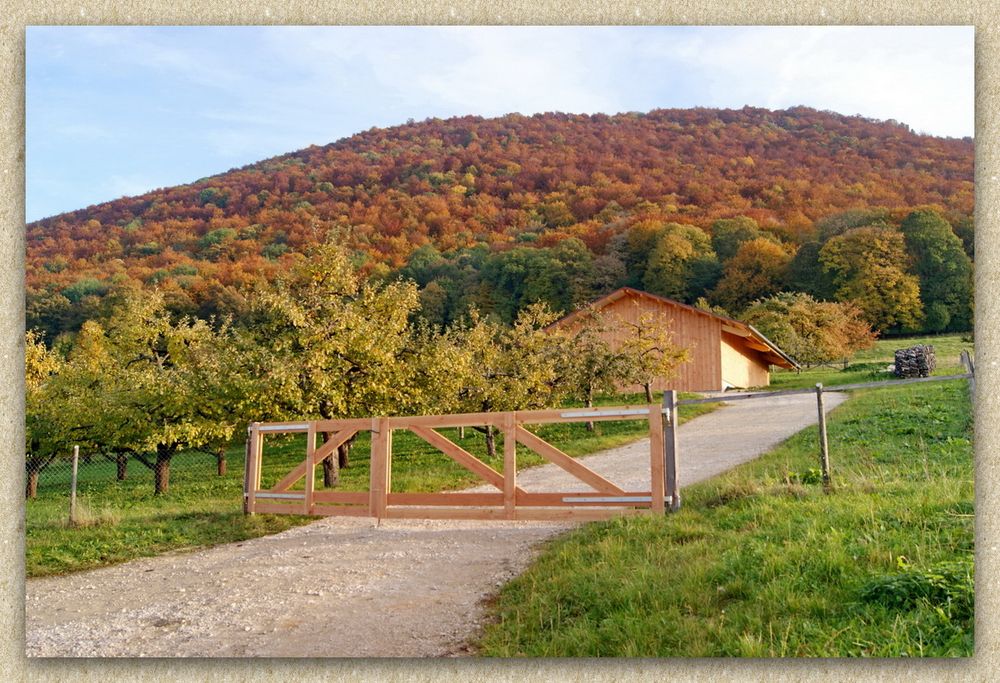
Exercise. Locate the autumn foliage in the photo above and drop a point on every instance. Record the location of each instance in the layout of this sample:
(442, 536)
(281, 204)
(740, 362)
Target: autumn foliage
(499, 213)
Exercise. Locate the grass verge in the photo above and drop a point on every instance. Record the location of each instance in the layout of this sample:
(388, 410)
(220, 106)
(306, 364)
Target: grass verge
(123, 520)
(761, 562)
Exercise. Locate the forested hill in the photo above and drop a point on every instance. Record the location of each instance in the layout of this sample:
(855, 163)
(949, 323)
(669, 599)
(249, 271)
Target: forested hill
(477, 210)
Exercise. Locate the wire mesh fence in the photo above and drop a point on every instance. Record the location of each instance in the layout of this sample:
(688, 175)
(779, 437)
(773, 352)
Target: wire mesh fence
(118, 478)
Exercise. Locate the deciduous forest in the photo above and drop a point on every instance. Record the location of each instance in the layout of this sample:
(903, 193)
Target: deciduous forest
(715, 207)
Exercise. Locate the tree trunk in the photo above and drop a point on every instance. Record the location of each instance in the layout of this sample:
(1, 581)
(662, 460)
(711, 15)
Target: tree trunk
(220, 462)
(344, 452)
(331, 472)
(331, 468)
(590, 404)
(491, 444)
(648, 386)
(161, 472)
(31, 485)
(121, 465)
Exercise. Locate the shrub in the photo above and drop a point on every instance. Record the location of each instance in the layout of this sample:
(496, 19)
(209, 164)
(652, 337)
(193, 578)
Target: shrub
(947, 585)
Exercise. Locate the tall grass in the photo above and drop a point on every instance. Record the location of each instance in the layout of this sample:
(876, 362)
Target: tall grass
(760, 563)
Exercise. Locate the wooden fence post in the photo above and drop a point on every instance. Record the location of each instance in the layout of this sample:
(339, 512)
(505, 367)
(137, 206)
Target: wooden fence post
(381, 452)
(657, 458)
(72, 494)
(669, 450)
(970, 368)
(824, 447)
(250, 467)
(509, 465)
(310, 468)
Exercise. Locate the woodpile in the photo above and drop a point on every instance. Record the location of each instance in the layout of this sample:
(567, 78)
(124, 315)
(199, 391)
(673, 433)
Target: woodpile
(916, 361)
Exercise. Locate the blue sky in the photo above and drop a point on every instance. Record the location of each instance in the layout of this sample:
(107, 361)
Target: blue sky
(115, 111)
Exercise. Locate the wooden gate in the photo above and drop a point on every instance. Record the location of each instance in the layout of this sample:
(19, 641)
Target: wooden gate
(509, 501)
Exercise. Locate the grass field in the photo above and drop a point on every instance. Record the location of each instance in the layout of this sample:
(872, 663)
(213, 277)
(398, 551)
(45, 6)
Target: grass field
(124, 520)
(761, 562)
(870, 365)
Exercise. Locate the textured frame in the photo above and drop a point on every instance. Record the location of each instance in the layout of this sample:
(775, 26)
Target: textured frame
(979, 13)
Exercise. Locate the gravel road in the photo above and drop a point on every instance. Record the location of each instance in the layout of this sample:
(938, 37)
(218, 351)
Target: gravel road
(349, 587)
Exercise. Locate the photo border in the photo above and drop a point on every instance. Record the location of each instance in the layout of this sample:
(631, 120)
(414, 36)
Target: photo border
(260, 12)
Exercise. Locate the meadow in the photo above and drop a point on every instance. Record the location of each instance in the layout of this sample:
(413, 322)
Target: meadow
(764, 562)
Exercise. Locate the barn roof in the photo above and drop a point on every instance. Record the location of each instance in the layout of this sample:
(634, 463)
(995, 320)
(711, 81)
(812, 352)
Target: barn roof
(753, 337)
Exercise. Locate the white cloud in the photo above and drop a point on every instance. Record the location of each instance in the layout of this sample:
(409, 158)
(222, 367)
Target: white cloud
(922, 76)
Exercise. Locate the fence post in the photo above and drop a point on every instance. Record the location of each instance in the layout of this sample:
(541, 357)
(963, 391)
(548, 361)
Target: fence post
(72, 494)
(657, 458)
(509, 465)
(310, 468)
(379, 483)
(250, 466)
(671, 483)
(824, 447)
(970, 368)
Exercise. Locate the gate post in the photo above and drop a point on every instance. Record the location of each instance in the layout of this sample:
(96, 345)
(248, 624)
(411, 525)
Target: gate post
(250, 467)
(310, 469)
(509, 465)
(657, 458)
(672, 486)
(379, 483)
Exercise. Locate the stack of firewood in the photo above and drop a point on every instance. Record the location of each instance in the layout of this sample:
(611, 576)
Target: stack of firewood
(916, 361)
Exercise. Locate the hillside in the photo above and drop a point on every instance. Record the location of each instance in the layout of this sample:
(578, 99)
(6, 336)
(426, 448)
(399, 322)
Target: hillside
(472, 187)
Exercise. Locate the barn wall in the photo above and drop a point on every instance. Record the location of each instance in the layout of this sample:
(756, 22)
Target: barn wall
(700, 334)
(742, 367)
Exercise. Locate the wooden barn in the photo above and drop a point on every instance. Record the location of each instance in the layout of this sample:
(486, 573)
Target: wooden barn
(724, 353)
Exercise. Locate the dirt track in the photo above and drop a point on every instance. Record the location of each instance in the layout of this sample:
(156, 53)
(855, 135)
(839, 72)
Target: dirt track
(345, 587)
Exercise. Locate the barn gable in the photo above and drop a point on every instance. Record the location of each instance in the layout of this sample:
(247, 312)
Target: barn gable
(724, 352)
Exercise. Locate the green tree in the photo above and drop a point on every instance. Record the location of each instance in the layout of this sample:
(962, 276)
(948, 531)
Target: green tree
(592, 365)
(944, 269)
(681, 264)
(805, 272)
(758, 269)
(839, 223)
(510, 367)
(325, 345)
(560, 276)
(40, 365)
(868, 267)
(133, 385)
(729, 233)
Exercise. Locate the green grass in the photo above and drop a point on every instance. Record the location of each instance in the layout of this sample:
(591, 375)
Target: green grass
(124, 520)
(761, 562)
(870, 365)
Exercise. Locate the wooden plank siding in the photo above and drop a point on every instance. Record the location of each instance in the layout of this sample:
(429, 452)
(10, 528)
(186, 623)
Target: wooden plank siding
(699, 334)
(718, 358)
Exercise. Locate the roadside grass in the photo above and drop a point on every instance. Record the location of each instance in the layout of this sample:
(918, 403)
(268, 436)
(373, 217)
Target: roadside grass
(761, 562)
(124, 520)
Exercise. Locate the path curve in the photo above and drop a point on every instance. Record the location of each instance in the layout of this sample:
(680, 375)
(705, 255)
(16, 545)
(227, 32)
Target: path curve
(348, 587)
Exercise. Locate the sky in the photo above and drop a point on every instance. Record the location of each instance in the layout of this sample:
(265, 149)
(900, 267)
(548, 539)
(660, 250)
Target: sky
(118, 111)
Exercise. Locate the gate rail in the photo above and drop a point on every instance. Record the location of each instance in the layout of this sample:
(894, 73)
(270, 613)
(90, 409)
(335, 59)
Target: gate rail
(509, 501)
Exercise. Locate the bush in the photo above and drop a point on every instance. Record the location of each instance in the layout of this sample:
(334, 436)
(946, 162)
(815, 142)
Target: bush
(948, 586)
